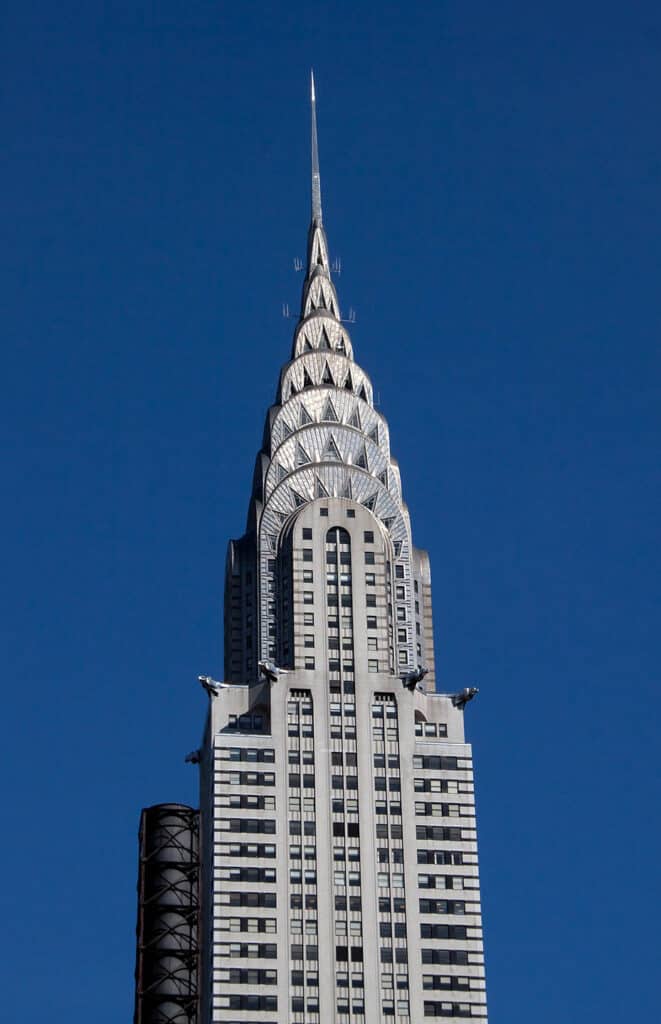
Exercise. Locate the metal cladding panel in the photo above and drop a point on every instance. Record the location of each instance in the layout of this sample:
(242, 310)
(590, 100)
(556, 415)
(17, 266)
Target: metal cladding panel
(166, 970)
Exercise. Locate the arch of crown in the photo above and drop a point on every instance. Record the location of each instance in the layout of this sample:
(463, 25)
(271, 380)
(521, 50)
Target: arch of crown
(324, 439)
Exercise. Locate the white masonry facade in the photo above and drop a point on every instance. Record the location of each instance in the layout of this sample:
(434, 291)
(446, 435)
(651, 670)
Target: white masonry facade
(339, 878)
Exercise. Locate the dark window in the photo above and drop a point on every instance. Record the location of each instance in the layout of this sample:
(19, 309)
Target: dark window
(307, 554)
(368, 536)
(307, 533)
(369, 558)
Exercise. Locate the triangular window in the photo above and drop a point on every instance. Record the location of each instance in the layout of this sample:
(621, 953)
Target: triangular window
(286, 429)
(398, 548)
(273, 541)
(324, 343)
(388, 523)
(331, 451)
(362, 393)
(374, 435)
(348, 384)
(307, 347)
(327, 377)
(329, 412)
(307, 380)
(281, 472)
(302, 457)
(319, 489)
(346, 489)
(383, 477)
(354, 419)
(370, 502)
(361, 461)
(303, 416)
(341, 347)
(298, 498)
(292, 390)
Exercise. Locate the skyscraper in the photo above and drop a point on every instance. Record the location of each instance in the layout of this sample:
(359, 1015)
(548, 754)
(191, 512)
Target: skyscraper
(338, 878)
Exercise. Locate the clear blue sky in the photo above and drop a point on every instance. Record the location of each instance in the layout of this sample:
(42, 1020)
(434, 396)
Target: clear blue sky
(491, 177)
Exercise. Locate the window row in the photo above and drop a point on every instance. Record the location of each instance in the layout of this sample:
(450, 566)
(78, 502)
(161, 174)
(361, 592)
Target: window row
(298, 877)
(246, 778)
(263, 826)
(246, 924)
(242, 874)
(297, 828)
(247, 899)
(394, 784)
(440, 857)
(444, 956)
(442, 907)
(436, 981)
(443, 931)
(431, 729)
(442, 833)
(246, 1002)
(254, 950)
(441, 786)
(300, 952)
(297, 901)
(245, 849)
(400, 955)
(443, 810)
(246, 722)
(245, 754)
(447, 1009)
(246, 800)
(297, 780)
(247, 976)
(435, 762)
(388, 930)
(395, 906)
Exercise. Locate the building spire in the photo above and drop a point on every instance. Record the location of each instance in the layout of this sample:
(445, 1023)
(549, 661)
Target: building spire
(316, 180)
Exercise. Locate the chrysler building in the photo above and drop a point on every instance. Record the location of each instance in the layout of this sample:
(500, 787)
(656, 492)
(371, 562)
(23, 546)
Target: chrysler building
(330, 875)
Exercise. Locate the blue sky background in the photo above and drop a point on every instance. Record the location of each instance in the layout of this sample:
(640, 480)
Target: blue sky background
(491, 179)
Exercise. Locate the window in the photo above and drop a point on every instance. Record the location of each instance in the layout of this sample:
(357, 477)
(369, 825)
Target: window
(368, 536)
(370, 579)
(371, 621)
(307, 554)
(307, 533)
(323, 511)
(351, 513)
(370, 600)
(308, 619)
(373, 665)
(399, 572)
(369, 558)
(309, 663)
(308, 597)
(308, 576)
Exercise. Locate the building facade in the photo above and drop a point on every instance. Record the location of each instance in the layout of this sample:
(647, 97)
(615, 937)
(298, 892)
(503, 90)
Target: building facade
(338, 877)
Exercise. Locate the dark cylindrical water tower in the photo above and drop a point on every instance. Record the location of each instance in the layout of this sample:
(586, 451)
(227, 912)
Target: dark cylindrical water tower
(168, 904)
